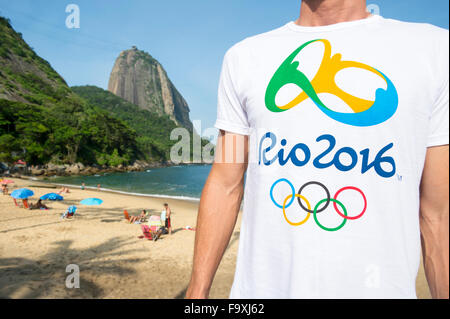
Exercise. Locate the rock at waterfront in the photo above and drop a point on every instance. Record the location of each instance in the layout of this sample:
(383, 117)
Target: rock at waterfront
(140, 79)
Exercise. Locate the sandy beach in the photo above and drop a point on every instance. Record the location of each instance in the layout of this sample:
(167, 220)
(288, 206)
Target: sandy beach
(37, 245)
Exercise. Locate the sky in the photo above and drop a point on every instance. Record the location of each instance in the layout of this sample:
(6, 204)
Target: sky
(189, 38)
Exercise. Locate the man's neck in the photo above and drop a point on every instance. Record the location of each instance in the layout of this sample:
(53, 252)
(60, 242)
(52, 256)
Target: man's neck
(325, 12)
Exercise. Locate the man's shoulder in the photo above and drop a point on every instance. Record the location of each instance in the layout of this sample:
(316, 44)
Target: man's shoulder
(417, 29)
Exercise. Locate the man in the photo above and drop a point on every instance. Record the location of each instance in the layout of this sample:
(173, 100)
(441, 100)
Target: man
(38, 205)
(346, 118)
(165, 218)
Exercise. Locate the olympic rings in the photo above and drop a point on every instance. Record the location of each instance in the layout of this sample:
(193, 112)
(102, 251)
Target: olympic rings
(307, 215)
(271, 192)
(316, 209)
(358, 190)
(334, 202)
(321, 185)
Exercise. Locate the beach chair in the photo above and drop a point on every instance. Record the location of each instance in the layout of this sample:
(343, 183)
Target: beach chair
(126, 215)
(154, 222)
(147, 232)
(72, 210)
(69, 212)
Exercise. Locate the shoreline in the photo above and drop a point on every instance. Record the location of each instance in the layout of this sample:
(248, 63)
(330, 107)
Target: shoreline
(78, 169)
(49, 180)
(109, 190)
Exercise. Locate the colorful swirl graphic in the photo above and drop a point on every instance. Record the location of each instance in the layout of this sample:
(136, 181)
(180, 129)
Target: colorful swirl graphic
(367, 112)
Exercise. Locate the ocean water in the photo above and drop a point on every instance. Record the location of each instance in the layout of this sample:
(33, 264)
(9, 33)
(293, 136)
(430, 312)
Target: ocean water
(183, 182)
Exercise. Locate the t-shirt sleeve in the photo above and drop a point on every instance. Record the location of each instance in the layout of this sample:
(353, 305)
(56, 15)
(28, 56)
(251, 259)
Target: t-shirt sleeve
(438, 126)
(231, 114)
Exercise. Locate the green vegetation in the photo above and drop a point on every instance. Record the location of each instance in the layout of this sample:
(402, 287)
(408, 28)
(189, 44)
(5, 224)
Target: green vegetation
(63, 133)
(15, 49)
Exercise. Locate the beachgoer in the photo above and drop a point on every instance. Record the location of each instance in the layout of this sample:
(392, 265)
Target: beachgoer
(5, 189)
(83, 186)
(157, 234)
(154, 234)
(38, 205)
(165, 217)
(139, 218)
(98, 187)
(314, 141)
(64, 190)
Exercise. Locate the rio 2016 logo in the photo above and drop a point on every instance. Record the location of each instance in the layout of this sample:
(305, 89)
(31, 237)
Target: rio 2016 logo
(319, 207)
(366, 112)
(383, 165)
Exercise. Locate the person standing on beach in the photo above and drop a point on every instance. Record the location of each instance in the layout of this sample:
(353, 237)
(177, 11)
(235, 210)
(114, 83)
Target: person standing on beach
(98, 187)
(83, 186)
(340, 121)
(165, 218)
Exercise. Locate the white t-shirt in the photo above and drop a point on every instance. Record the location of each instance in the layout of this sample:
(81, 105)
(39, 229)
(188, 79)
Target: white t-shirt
(339, 119)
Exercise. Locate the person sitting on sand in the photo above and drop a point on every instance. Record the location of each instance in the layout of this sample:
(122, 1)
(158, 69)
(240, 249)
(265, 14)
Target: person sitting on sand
(38, 205)
(165, 217)
(140, 218)
(64, 190)
(157, 234)
(5, 189)
(151, 234)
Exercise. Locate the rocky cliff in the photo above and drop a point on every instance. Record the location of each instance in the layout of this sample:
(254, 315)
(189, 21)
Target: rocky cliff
(140, 79)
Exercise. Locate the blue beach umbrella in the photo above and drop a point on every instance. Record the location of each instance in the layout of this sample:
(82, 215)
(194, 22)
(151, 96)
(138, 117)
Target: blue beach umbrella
(22, 193)
(91, 201)
(52, 196)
